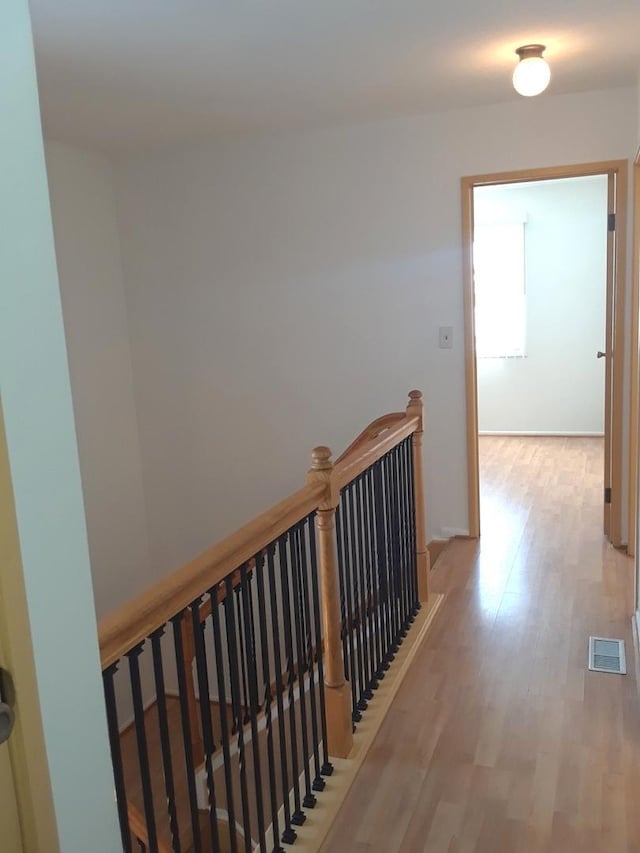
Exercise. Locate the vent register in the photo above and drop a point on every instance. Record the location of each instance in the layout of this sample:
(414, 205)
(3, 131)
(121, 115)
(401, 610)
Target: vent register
(607, 655)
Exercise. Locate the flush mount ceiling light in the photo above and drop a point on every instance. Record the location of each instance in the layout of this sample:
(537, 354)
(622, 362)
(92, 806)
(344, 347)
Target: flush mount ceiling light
(532, 73)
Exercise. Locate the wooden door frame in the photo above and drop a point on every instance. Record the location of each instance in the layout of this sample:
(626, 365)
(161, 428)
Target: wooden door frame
(26, 746)
(634, 371)
(615, 285)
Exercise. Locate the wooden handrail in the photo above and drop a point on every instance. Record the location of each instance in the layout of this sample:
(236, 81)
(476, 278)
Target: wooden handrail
(369, 448)
(374, 429)
(120, 631)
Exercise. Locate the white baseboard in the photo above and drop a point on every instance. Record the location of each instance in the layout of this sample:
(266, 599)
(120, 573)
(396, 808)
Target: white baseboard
(541, 433)
(450, 532)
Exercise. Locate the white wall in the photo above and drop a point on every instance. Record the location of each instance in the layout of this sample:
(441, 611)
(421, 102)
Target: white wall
(43, 456)
(91, 284)
(284, 291)
(559, 386)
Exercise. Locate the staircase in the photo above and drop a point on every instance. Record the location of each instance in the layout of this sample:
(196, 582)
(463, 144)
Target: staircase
(244, 672)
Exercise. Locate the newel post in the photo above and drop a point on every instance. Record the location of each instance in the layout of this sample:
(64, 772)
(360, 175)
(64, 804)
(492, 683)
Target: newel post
(416, 407)
(336, 689)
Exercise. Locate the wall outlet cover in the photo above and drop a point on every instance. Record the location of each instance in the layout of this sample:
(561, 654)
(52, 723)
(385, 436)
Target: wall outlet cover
(445, 337)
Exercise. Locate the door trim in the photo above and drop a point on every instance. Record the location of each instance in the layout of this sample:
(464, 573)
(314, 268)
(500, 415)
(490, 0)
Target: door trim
(616, 285)
(27, 747)
(634, 373)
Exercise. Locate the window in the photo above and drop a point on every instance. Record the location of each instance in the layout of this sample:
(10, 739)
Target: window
(499, 282)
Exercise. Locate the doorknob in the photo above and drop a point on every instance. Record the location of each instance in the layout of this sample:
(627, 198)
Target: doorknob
(7, 721)
(7, 716)
(601, 354)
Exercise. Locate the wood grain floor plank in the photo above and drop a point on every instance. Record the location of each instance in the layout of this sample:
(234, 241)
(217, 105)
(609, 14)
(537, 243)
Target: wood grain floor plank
(500, 740)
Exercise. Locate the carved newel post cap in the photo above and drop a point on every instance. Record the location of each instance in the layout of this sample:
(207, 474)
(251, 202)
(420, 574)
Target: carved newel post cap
(321, 458)
(415, 395)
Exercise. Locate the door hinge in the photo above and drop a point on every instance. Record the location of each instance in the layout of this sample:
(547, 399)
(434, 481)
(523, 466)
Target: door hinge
(607, 495)
(611, 222)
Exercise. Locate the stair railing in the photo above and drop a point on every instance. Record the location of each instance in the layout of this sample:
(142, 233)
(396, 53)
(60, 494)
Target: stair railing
(245, 670)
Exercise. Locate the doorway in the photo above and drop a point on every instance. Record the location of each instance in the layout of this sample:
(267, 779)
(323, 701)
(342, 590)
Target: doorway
(506, 325)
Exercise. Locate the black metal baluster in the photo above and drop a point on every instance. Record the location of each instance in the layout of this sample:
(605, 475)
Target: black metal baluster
(205, 715)
(412, 527)
(243, 660)
(375, 576)
(247, 605)
(267, 702)
(400, 494)
(363, 607)
(383, 564)
(327, 767)
(310, 647)
(165, 740)
(289, 834)
(397, 504)
(232, 650)
(176, 623)
(369, 593)
(298, 817)
(354, 670)
(354, 601)
(224, 724)
(393, 562)
(406, 449)
(252, 634)
(347, 633)
(141, 740)
(391, 650)
(398, 537)
(116, 755)
(354, 590)
(309, 799)
(412, 579)
(406, 557)
(400, 514)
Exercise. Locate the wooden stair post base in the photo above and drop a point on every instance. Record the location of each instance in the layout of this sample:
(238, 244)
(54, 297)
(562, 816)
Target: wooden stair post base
(339, 723)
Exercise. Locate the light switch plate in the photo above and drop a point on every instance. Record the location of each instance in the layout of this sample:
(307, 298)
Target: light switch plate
(445, 337)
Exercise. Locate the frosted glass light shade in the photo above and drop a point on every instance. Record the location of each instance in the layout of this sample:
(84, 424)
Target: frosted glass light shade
(531, 76)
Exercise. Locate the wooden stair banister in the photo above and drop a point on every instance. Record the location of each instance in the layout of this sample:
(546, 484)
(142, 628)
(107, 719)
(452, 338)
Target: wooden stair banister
(129, 625)
(370, 448)
(375, 428)
(195, 591)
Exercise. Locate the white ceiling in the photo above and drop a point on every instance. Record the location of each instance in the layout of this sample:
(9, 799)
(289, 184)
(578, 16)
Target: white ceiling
(119, 74)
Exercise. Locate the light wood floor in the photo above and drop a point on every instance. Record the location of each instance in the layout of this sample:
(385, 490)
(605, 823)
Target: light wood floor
(499, 739)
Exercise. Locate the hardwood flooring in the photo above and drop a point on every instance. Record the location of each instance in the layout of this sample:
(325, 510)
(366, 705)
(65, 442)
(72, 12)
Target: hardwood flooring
(499, 739)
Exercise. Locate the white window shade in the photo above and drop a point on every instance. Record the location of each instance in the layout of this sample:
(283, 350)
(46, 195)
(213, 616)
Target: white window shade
(499, 284)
